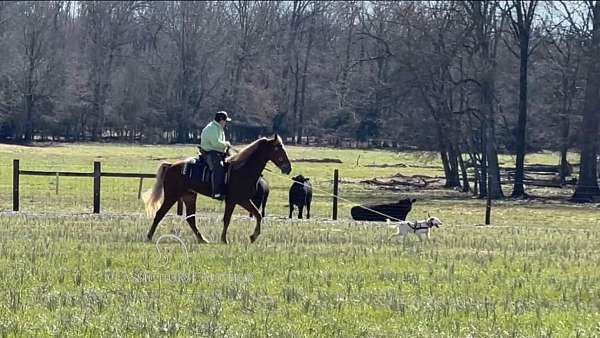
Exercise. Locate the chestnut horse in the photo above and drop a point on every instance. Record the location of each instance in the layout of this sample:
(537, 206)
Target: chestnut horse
(246, 167)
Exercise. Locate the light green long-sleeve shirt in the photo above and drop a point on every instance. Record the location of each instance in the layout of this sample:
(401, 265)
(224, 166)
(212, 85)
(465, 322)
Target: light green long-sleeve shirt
(212, 138)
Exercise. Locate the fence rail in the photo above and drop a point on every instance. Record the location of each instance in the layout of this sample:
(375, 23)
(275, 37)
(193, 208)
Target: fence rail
(97, 175)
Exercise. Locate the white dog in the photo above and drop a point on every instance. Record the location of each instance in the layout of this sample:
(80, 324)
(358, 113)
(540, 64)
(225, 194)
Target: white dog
(418, 228)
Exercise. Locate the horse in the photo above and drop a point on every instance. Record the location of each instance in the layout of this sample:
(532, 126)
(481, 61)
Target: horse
(244, 169)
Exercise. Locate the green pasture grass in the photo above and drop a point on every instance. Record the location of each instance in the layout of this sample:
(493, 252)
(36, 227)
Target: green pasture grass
(93, 276)
(66, 272)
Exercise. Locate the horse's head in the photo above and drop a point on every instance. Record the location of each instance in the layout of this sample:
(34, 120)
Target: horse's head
(278, 155)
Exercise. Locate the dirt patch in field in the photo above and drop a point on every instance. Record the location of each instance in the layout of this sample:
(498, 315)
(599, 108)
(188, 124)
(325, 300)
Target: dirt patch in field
(318, 160)
(402, 165)
(403, 182)
(385, 165)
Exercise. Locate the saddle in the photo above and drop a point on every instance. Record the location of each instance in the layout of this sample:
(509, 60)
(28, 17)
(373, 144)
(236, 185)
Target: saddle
(197, 170)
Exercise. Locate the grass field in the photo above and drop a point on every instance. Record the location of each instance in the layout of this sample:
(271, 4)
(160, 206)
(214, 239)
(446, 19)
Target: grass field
(66, 272)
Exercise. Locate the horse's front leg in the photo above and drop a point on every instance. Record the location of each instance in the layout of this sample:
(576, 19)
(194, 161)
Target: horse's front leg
(248, 205)
(229, 206)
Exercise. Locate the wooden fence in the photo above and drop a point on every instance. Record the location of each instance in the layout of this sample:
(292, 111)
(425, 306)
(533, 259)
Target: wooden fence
(97, 175)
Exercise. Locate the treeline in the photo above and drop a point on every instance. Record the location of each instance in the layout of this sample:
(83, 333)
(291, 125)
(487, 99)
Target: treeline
(475, 78)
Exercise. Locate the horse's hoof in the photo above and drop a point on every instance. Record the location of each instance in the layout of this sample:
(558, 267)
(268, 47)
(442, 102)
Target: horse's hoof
(224, 241)
(202, 240)
(148, 240)
(253, 238)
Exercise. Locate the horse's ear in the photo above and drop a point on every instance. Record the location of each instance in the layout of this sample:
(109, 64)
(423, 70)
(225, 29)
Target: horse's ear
(277, 139)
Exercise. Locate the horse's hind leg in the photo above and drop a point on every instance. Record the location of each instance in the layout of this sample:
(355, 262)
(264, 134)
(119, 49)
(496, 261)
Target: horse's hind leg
(190, 210)
(254, 211)
(168, 202)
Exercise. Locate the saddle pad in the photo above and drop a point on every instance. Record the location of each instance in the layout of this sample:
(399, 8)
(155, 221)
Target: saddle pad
(196, 169)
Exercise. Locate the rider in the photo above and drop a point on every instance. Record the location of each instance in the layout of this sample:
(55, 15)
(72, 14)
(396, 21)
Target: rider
(214, 146)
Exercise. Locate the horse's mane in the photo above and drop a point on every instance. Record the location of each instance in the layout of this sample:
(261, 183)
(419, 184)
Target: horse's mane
(245, 153)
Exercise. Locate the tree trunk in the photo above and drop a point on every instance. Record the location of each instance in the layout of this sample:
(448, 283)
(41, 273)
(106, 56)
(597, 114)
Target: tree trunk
(454, 179)
(483, 163)
(518, 189)
(587, 185)
(463, 169)
(29, 114)
(303, 90)
(565, 167)
(494, 188)
(484, 20)
(344, 86)
(446, 165)
(295, 102)
(448, 157)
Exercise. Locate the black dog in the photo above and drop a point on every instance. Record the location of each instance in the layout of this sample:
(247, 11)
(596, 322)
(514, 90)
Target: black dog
(394, 211)
(261, 195)
(300, 195)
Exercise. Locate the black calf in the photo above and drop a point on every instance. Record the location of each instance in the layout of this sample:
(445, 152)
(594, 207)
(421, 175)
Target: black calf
(300, 195)
(395, 211)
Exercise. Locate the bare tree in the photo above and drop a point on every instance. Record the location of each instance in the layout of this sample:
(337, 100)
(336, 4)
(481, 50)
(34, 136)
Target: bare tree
(36, 20)
(587, 186)
(107, 25)
(487, 20)
(433, 79)
(296, 15)
(564, 54)
(521, 16)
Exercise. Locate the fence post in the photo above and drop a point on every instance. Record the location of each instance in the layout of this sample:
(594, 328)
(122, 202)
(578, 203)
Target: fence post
(335, 194)
(97, 175)
(488, 210)
(57, 182)
(140, 188)
(15, 185)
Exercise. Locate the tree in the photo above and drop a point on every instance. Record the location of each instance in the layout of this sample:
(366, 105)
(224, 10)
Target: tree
(521, 18)
(587, 186)
(36, 20)
(564, 55)
(107, 27)
(433, 79)
(487, 21)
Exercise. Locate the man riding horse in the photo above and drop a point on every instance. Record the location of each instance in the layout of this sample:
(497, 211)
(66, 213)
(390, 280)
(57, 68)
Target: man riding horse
(246, 167)
(213, 147)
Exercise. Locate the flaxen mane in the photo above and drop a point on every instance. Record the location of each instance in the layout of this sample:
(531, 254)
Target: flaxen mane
(245, 153)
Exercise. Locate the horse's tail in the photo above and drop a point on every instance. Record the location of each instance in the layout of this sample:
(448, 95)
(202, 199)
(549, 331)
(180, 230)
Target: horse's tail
(152, 198)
